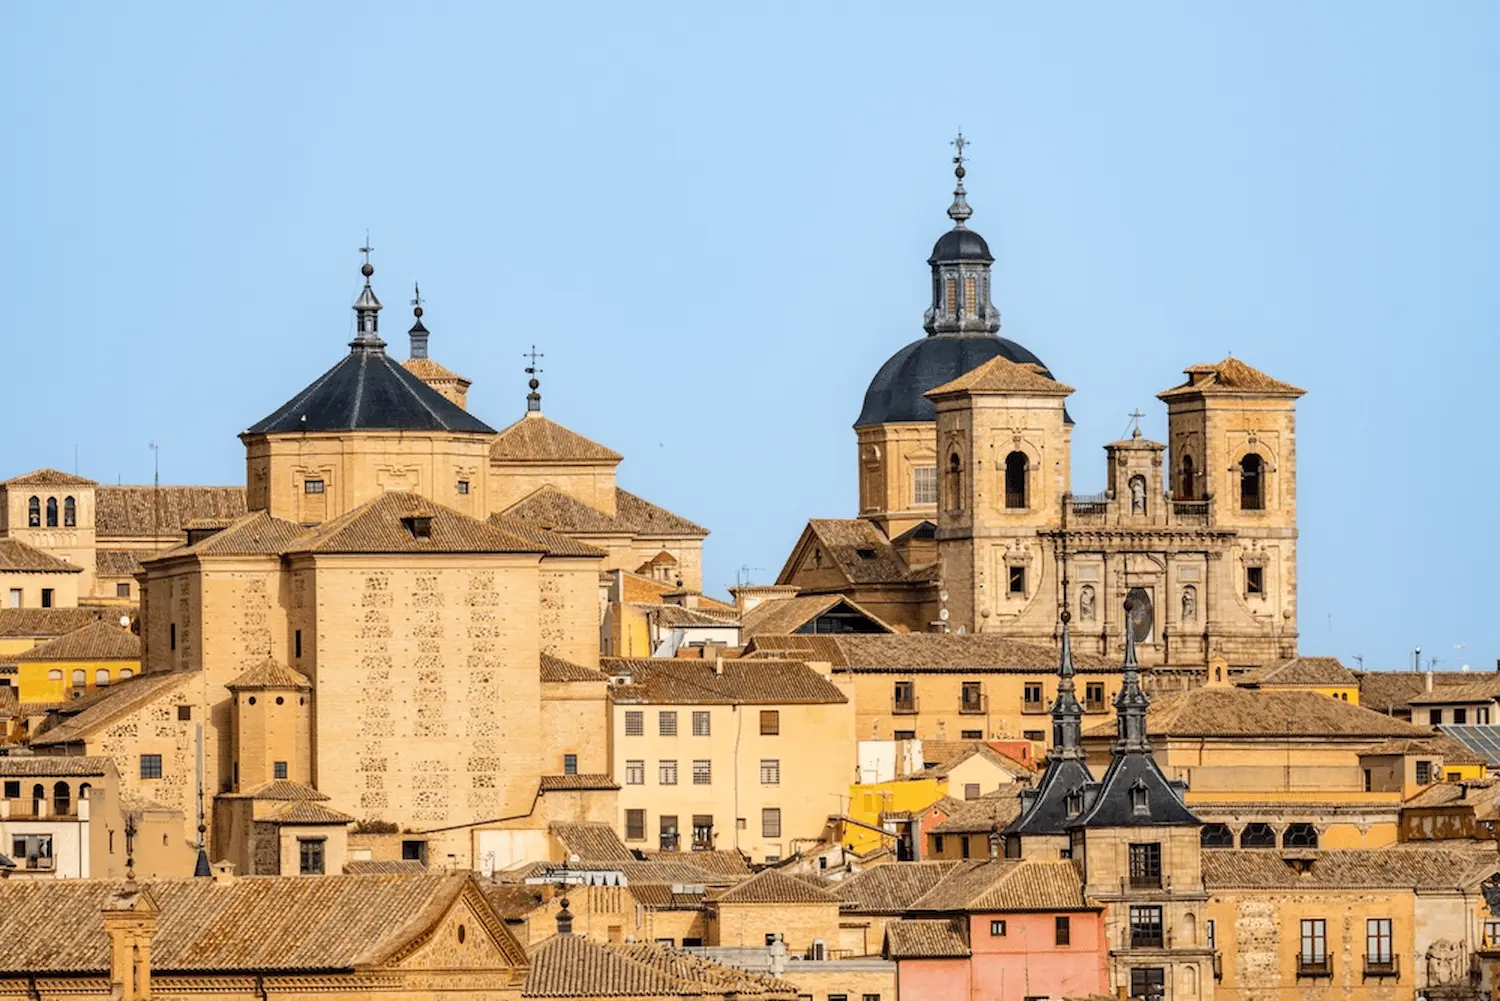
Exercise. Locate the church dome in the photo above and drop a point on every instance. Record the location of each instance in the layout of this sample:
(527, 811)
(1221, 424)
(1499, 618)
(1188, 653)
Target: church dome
(960, 245)
(896, 393)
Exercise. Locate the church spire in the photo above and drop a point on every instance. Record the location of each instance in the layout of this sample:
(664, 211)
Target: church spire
(960, 265)
(1067, 714)
(959, 211)
(367, 310)
(417, 332)
(1131, 703)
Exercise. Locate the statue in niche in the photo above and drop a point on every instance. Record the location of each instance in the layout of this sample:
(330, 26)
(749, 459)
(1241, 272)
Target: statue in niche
(1086, 603)
(1137, 495)
(1189, 604)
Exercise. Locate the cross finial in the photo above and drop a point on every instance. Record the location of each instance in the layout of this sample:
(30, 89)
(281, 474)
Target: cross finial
(366, 248)
(1135, 421)
(958, 144)
(959, 211)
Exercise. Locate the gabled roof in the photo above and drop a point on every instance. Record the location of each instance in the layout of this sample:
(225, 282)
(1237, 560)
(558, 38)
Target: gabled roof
(119, 562)
(381, 526)
(978, 748)
(772, 886)
(854, 547)
(890, 889)
(1229, 377)
(670, 615)
(1001, 375)
(1476, 693)
(1388, 691)
(270, 673)
(575, 966)
(96, 641)
(788, 615)
(146, 511)
(990, 812)
(47, 477)
(647, 519)
(40, 623)
(17, 557)
(53, 766)
(591, 840)
(280, 790)
(535, 438)
(1276, 713)
(722, 861)
(926, 938)
(428, 371)
(551, 508)
(306, 813)
(1416, 868)
(905, 653)
(664, 681)
(1128, 776)
(553, 543)
(110, 704)
(1322, 672)
(1008, 885)
(1452, 751)
(565, 783)
(253, 534)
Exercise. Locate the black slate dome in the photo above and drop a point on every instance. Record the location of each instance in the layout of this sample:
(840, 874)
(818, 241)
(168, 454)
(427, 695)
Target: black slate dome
(897, 391)
(960, 245)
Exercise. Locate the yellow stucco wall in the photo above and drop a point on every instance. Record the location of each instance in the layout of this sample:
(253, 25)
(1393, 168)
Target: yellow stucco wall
(55, 681)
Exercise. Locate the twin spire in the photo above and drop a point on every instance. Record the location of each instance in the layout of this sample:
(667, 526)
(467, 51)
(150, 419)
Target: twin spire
(1130, 704)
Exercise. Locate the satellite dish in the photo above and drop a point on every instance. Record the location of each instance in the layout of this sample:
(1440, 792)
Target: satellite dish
(124, 622)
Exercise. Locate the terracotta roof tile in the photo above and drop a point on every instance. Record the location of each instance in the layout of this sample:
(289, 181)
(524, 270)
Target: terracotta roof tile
(926, 938)
(1319, 671)
(718, 977)
(647, 519)
(295, 814)
(574, 966)
(271, 673)
(535, 438)
(972, 749)
(696, 682)
(552, 509)
(1230, 376)
(50, 765)
(96, 641)
(555, 669)
(254, 534)
(383, 867)
(1483, 691)
(10, 701)
(722, 861)
(111, 703)
(1250, 712)
(1001, 375)
(990, 812)
(280, 790)
(17, 556)
(1008, 885)
(903, 653)
(48, 623)
(511, 900)
(642, 590)
(1451, 750)
(772, 886)
(860, 550)
(553, 543)
(563, 783)
(429, 371)
(380, 526)
(1387, 691)
(1406, 868)
(47, 477)
(143, 512)
(591, 840)
(677, 615)
(788, 615)
(894, 888)
(120, 562)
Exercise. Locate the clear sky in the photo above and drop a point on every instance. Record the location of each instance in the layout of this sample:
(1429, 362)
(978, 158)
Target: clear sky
(714, 222)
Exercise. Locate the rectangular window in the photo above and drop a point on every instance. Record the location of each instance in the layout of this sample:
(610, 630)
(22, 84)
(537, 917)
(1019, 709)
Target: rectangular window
(635, 723)
(971, 790)
(770, 722)
(1145, 927)
(1031, 696)
(1424, 772)
(950, 297)
(172, 635)
(701, 724)
(770, 822)
(46, 597)
(924, 485)
(937, 844)
(703, 832)
(297, 643)
(997, 929)
(668, 837)
(310, 856)
(666, 772)
(1378, 941)
(1255, 580)
(971, 306)
(963, 846)
(635, 773)
(666, 723)
(904, 697)
(570, 764)
(971, 734)
(278, 770)
(904, 735)
(312, 486)
(1435, 717)
(414, 851)
(872, 997)
(1093, 697)
(1017, 580)
(151, 766)
(122, 590)
(15, 597)
(1062, 930)
(770, 771)
(1145, 866)
(184, 712)
(1148, 982)
(12, 789)
(1369, 780)
(1312, 959)
(1482, 717)
(971, 697)
(463, 488)
(1034, 735)
(703, 772)
(1460, 716)
(635, 825)
(1491, 934)
(1212, 937)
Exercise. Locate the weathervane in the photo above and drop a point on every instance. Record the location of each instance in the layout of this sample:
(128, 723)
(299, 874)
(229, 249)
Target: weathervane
(959, 144)
(533, 398)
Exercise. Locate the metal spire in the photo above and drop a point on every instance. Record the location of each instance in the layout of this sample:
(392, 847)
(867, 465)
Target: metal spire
(418, 332)
(1131, 703)
(533, 398)
(1067, 714)
(959, 211)
(367, 308)
(202, 868)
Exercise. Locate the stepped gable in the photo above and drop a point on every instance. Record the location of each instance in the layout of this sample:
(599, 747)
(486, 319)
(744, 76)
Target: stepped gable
(395, 523)
(535, 438)
(96, 641)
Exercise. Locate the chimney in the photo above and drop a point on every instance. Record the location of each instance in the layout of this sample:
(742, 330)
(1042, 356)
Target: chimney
(719, 666)
(564, 919)
(223, 872)
(129, 916)
(1427, 680)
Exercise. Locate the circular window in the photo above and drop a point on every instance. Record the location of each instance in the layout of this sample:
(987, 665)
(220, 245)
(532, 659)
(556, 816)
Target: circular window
(462, 933)
(279, 700)
(252, 700)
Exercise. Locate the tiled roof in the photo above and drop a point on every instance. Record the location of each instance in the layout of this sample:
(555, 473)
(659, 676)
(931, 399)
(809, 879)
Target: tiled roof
(574, 966)
(384, 867)
(52, 765)
(1451, 750)
(591, 840)
(47, 477)
(732, 981)
(1001, 375)
(96, 641)
(696, 682)
(379, 526)
(1229, 376)
(110, 704)
(266, 923)
(1387, 691)
(1320, 671)
(978, 748)
(10, 700)
(120, 562)
(927, 938)
(990, 812)
(294, 814)
(1405, 868)
(670, 615)
(556, 669)
(639, 590)
(428, 370)
(1480, 692)
(17, 556)
(663, 897)
(552, 543)
(787, 615)
(511, 900)
(904, 653)
(647, 519)
(772, 886)
(40, 623)
(254, 534)
(550, 508)
(724, 862)
(271, 673)
(535, 438)
(563, 783)
(894, 887)
(280, 790)
(1250, 712)
(1008, 885)
(142, 512)
(1478, 794)
(858, 549)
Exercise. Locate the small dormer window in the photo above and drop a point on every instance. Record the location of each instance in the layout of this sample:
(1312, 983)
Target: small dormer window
(1138, 803)
(1075, 802)
(865, 554)
(419, 525)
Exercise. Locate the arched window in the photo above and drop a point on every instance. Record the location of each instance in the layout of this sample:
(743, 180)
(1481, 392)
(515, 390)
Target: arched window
(51, 512)
(70, 512)
(1015, 480)
(38, 793)
(1300, 836)
(1216, 836)
(955, 486)
(1258, 836)
(54, 675)
(34, 513)
(1252, 483)
(126, 672)
(62, 799)
(1185, 479)
(101, 677)
(80, 677)
(83, 791)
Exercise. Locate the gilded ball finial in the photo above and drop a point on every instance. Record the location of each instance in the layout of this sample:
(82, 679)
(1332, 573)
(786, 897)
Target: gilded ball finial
(959, 172)
(367, 269)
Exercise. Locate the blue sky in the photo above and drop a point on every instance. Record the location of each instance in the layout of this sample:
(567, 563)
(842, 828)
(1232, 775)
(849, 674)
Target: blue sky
(714, 222)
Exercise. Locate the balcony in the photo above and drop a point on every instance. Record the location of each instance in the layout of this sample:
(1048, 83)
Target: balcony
(1190, 512)
(1087, 508)
(1145, 881)
(1309, 967)
(1146, 938)
(904, 705)
(976, 704)
(1388, 966)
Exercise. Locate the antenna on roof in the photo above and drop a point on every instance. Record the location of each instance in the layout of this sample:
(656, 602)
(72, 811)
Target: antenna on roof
(533, 398)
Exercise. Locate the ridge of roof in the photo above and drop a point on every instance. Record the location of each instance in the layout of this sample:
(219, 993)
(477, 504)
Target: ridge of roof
(18, 557)
(1230, 377)
(732, 681)
(1252, 712)
(537, 438)
(1319, 671)
(270, 673)
(554, 543)
(1001, 375)
(96, 641)
(48, 477)
(648, 519)
(118, 699)
(556, 669)
(254, 534)
(772, 886)
(378, 526)
(426, 368)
